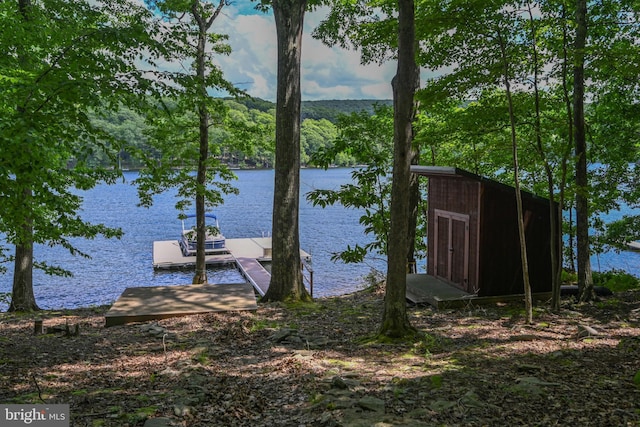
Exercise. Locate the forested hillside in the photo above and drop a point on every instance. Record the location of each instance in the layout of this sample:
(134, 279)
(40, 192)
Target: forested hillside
(324, 109)
(331, 109)
(317, 130)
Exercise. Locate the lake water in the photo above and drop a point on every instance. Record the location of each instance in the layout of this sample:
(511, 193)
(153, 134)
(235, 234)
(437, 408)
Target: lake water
(117, 264)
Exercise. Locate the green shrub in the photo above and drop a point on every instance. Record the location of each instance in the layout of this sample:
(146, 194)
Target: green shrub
(5, 298)
(569, 277)
(616, 280)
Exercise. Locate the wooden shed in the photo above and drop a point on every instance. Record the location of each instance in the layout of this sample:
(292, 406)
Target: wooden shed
(473, 240)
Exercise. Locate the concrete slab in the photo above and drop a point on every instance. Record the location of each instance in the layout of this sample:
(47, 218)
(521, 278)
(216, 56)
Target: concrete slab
(160, 302)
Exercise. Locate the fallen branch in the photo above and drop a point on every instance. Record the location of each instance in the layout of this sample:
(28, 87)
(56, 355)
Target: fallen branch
(38, 387)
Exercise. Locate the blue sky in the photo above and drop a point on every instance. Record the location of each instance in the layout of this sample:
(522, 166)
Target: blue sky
(327, 73)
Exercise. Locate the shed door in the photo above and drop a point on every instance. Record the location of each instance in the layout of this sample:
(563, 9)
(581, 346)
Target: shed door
(452, 247)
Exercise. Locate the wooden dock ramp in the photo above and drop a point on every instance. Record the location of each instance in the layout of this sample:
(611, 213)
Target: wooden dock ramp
(255, 273)
(142, 304)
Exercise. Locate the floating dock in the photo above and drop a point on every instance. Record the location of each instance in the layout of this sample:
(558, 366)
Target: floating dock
(247, 254)
(167, 254)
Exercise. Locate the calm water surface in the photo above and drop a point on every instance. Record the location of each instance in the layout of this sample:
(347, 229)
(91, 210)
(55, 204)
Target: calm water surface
(117, 264)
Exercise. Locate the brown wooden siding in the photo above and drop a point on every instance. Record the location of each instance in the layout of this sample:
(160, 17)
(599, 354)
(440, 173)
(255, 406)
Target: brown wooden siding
(501, 266)
(494, 266)
(457, 195)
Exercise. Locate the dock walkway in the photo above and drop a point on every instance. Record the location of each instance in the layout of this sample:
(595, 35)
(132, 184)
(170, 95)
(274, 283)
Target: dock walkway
(247, 254)
(167, 254)
(255, 274)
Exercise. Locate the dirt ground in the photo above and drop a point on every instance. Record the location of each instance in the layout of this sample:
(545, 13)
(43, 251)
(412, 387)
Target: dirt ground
(318, 365)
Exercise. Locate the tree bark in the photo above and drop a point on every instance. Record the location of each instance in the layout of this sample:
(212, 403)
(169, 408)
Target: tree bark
(204, 23)
(528, 302)
(22, 295)
(555, 299)
(414, 202)
(286, 273)
(414, 188)
(200, 276)
(555, 213)
(395, 323)
(585, 282)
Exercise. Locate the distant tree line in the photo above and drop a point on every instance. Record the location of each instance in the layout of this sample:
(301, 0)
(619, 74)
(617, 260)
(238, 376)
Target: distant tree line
(318, 131)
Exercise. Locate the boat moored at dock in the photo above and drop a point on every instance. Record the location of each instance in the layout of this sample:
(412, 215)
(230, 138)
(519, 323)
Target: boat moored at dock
(634, 245)
(214, 240)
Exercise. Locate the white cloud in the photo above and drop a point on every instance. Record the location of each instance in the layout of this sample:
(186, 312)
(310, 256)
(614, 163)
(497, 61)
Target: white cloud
(327, 73)
(252, 62)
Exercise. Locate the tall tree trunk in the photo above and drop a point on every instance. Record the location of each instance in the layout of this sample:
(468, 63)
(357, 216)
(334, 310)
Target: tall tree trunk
(414, 189)
(554, 215)
(204, 23)
(200, 276)
(565, 157)
(414, 202)
(528, 302)
(585, 282)
(286, 273)
(22, 295)
(395, 322)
